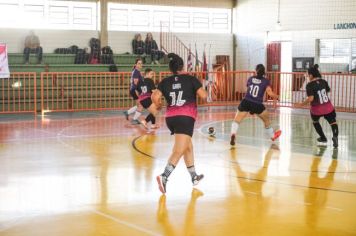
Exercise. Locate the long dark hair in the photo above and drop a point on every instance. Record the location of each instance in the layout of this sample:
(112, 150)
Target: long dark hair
(260, 70)
(175, 63)
(314, 71)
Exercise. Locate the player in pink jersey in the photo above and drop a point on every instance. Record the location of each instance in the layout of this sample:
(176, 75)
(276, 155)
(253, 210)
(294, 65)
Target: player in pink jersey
(180, 91)
(320, 105)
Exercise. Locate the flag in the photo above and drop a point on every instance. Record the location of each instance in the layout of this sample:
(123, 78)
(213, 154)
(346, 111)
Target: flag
(4, 63)
(189, 61)
(205, 65)
(197, 63)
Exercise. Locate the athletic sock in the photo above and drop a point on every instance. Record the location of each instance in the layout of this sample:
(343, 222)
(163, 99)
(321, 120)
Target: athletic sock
(168, 170)
(319, 130)
(191, 170)
(270, 132)
(137, 115)
(234, 127)
(335, 129)
(131, 110)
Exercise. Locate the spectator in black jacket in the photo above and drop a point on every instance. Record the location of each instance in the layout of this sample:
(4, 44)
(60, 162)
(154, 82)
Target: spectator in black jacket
(138, 46)
(151, 48)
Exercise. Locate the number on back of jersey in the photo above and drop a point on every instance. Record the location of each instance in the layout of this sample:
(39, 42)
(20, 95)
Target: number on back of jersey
(177, 100)
(144, 89)
(323, 97)
(254, 89)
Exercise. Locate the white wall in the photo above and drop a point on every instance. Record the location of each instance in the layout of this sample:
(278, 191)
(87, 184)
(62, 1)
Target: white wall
(221, 44)
(50, 39)
(119, 41)
(302, 21)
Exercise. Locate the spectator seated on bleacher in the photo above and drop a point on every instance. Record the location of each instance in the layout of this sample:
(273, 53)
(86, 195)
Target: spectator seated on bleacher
(32, 45)
(107, 55)
(151, 48)
(138, 46)
(95, 51)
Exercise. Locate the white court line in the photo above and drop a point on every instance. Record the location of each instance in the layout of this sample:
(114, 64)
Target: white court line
(130, 225)
(200, 129)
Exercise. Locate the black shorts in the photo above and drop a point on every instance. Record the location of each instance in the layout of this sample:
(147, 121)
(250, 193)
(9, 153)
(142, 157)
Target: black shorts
(133, 94)
(146, 103)
(252, 107)
(330, 117)
(180, 125)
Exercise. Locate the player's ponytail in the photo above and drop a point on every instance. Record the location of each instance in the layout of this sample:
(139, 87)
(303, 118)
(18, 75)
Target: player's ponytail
(260, 70)
(314, 71)
(175, 63)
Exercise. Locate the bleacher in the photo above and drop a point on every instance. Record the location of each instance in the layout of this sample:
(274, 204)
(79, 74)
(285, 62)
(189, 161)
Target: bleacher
(65, 63)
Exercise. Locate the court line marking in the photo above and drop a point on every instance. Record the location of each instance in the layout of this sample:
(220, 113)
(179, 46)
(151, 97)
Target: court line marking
(125, 223)
(200, 129)
(252, 179)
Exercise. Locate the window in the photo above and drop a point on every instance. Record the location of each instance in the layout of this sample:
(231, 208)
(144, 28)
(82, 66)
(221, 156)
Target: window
(335, 51)
(200, 20)
(161, 18)
(181, 20)
(48, 14)
(58, 15)
(176, 19)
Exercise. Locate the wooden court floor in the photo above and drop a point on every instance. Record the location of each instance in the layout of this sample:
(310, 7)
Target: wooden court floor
(94, 174)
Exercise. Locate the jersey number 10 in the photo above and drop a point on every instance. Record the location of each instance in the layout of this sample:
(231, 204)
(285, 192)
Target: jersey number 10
(254, 90)
(323, 97)
(177, 100)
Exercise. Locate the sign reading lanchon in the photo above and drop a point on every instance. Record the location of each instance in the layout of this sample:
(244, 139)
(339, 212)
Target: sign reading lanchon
(340, 26)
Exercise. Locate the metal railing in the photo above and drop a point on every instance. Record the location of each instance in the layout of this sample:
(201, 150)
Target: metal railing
(79, 91)
(18, 93)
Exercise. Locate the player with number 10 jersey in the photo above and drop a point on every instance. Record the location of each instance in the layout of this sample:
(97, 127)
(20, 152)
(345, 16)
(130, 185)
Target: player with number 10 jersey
(253, 103)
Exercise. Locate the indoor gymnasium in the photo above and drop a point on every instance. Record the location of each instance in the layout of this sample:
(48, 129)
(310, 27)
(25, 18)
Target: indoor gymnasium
(167, 117)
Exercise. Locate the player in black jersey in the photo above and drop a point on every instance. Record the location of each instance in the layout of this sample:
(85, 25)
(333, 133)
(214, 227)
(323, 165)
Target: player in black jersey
(180, 91)
(144, 91)
(321, 106)
(134, 79)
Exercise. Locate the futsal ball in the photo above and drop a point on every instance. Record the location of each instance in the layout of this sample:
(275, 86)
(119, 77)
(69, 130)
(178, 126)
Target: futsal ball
(211, 131)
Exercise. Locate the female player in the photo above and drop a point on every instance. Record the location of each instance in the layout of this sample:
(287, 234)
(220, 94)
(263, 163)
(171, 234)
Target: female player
(135, 78)
(180, 91)
(144, 90)
(253, 103)
(317, 92)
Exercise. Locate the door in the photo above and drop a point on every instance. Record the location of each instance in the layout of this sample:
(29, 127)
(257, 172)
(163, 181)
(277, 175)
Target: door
(274, 64)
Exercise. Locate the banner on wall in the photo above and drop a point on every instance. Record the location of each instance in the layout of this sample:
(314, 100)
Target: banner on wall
(4, 63)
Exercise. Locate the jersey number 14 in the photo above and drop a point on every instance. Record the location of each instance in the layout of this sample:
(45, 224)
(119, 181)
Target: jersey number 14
(177, 100)
(323, 97)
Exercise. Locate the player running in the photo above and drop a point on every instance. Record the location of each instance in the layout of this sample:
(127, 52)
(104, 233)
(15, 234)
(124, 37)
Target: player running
(253, 104)
(317, 92)
(180, 91)
(144, 90)
(135, 78)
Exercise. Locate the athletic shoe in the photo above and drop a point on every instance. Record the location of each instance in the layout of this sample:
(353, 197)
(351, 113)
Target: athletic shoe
(335, 142)
(126, 114)
(276, 135)
(135, 122)
(196, 179)
(162, 182)
(322, 140)
(232, 140)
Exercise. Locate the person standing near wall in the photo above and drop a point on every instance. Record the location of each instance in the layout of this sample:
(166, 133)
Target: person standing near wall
(32, 45)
